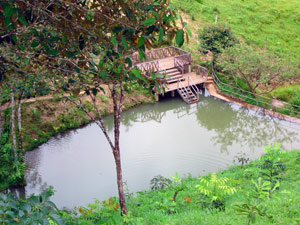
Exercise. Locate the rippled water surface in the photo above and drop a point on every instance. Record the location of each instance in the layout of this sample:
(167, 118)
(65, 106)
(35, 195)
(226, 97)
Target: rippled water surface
(162, 138)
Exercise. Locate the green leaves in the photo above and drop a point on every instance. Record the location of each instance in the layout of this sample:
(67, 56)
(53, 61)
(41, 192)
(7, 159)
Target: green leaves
(50, 51)
(141, 55)
(136, 72)
(215, 189)
(189, 32)
(216, 38)
(159, 182)
(179, 38)
(69, 54)
(35, 43)
(34, 210)
(23, 20)
(149, 21)
(94, 91)
(114, 41)
(124, 43)
(8, 11)
(103, 75)
(141, 42)
(161, 34)
(128, 61)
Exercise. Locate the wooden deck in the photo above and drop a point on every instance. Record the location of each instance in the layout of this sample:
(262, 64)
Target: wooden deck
(166, 63)
(198, 79)
(180, 74)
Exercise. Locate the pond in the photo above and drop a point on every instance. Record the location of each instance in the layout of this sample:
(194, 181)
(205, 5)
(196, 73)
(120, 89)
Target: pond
(162, 138)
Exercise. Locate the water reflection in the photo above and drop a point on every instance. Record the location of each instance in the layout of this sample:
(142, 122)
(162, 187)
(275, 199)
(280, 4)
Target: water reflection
(235, 124)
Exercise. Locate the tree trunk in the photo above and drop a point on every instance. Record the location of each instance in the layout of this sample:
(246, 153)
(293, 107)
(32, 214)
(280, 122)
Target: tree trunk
(13, 132)
(116, 150)
(116, 146)
(20, 142)
(251, 89)
(0, 114)
(214, 59)
(19, 118)
(122, 202)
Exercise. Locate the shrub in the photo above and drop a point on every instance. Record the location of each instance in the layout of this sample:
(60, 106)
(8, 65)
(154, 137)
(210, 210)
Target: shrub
(159, 182)
(215, 190)
(34, 210)
(215, 38)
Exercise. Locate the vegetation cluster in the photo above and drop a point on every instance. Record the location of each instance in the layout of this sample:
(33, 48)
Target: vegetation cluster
(265, 191)
(75, 50)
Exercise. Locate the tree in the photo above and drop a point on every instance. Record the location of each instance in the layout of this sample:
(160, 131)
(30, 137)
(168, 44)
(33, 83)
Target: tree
(262, 72)
(84, 46)
(215, 38)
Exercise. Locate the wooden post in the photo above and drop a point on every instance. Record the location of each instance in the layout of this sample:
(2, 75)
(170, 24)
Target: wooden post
(156, 97)
(173, 94)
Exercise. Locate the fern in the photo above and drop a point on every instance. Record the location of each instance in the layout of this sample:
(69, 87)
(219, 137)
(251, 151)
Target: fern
(215, 190)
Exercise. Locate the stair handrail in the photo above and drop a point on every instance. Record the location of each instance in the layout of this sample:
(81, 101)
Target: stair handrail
(194, 87)
(200, 70)
(179, 83)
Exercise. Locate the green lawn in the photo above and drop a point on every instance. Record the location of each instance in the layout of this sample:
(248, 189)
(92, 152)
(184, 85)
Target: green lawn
(253, 21)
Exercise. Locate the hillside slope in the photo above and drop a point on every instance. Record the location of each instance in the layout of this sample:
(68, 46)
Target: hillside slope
(254, 21)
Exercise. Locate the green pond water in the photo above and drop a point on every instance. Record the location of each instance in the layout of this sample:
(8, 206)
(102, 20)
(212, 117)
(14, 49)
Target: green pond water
(162, 138)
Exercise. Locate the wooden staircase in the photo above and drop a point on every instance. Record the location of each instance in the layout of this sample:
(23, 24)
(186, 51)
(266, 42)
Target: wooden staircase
(189, 93)
(210, 80)
(173, 75)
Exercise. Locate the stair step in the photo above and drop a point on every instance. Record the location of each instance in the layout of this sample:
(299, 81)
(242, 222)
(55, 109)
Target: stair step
(174, 80)
(174, 73)
(170, 70)
(187, 95)
(174, 77)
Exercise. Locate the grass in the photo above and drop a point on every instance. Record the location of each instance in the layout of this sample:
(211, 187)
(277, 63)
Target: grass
(275, 22)
(44, 119)
(157, 207)
(288, 94)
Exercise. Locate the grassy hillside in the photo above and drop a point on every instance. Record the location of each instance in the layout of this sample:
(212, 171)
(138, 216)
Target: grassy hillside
(253, 21)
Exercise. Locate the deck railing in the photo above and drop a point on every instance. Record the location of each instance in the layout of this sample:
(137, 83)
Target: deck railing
(147, 67)
(200, 70)
(157, 54)
(181, 60)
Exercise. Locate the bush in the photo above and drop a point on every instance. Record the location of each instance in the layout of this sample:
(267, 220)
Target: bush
(216, 38)
(159, 182)
(34, 210)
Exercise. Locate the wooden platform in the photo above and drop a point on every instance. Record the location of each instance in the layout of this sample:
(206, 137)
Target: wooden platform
(166, 63)
(198, 79)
